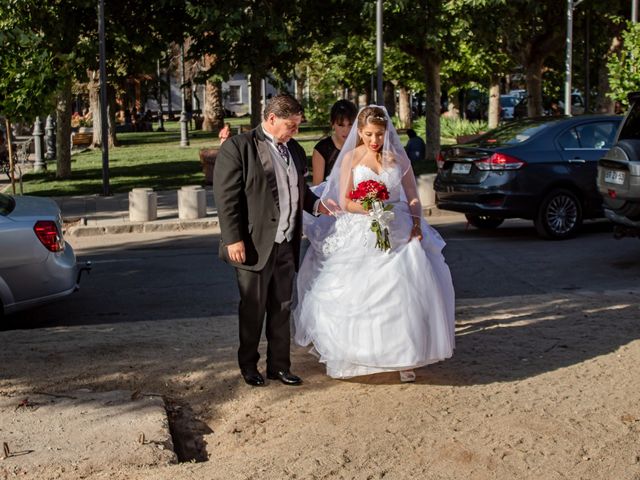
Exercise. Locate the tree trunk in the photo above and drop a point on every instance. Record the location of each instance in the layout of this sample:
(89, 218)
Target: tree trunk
(432, 100)
(603, 104)
(301, 81)
(213, 108)
(94, 105)
(354, 97)
(534, 86)
(256, 99)
(111, 116)
(494, 102)
(404, 108)
(63, 131)
(389, 96)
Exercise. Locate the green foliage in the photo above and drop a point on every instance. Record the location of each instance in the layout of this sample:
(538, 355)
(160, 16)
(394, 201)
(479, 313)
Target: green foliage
(27, 73)
(454, 127)
(624, 73)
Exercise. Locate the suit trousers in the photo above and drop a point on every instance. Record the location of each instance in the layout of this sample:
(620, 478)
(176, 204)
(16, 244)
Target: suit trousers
(267, 293)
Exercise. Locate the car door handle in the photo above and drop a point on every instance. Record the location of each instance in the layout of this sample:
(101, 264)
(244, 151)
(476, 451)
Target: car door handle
(577, 160)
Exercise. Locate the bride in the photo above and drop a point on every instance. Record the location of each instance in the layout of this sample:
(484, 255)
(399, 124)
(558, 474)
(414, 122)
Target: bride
(367, 306)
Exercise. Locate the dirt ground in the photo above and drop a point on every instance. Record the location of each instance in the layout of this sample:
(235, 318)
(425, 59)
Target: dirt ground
(540, 387)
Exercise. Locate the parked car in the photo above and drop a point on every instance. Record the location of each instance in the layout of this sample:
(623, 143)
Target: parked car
(542, 169)
(36, 264)
(550, 106)
(507, 104)
(619, 174)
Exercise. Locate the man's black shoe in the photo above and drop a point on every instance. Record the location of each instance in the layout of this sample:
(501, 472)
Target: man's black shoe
(285, 376)
(253, 378)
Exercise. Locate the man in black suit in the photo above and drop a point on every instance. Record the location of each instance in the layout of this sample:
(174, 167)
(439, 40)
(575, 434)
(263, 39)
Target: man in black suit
(260, 192)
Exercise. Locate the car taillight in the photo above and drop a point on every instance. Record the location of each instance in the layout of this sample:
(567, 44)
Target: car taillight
(440, 161)
(47, 233)
(499, 161)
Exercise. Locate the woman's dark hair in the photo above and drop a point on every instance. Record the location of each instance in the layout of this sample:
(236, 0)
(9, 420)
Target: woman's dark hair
(343, 110)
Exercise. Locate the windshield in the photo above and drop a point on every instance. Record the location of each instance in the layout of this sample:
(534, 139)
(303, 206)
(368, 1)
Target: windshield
(513, 133)
(7, 204)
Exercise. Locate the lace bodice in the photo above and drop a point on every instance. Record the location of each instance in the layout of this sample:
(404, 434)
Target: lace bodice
(391, 177)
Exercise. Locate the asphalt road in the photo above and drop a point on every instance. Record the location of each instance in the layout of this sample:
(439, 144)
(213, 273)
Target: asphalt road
(153, 277)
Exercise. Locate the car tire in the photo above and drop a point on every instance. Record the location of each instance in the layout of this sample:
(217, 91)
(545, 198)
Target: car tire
(559, 215)
(484, 222)
(631, 210)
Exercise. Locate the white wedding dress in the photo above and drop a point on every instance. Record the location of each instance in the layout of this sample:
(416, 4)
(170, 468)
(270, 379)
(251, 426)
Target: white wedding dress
(368, 311)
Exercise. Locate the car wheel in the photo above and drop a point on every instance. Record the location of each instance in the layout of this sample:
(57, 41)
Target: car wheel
(484, 221)
(559, 215)
(630, 210)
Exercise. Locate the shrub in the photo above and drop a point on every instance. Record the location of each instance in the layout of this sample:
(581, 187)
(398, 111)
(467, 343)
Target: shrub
(455, 127)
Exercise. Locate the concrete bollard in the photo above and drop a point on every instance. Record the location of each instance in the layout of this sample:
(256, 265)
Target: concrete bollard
(425, 190)
(143, 205)
(192, 202)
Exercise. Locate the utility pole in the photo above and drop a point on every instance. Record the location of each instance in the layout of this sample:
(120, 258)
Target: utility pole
(379, 95)
(103, 102)
(184, 129)
(571, 5)
(569, 59)
(634, 11)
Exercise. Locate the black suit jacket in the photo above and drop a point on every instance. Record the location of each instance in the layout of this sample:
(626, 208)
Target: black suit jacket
(246, 195)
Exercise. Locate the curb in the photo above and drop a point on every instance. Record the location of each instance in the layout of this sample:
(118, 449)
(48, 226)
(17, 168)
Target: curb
(212, 225)
(145, 227)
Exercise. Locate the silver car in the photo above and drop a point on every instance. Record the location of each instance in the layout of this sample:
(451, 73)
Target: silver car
(36, 264)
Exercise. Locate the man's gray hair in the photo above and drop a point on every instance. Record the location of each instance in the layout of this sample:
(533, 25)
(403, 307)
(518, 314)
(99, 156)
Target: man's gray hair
(283, 106)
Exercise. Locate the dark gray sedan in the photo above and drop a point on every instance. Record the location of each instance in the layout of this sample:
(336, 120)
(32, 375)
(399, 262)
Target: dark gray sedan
(542, 169)
(36, 264)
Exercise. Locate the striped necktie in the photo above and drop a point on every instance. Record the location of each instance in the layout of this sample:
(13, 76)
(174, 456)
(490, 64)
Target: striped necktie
(283, 151)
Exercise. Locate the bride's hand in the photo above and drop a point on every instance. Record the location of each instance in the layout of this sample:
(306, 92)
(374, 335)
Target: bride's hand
(416, 231)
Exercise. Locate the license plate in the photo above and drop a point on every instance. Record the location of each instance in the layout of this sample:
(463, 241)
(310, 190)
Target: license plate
(614, 176)
(461, 168)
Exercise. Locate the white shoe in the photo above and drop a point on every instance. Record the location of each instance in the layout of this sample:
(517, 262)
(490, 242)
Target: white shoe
(407, 376)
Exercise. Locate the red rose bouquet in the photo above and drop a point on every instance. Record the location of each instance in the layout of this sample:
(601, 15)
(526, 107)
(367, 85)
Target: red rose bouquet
(371, 194)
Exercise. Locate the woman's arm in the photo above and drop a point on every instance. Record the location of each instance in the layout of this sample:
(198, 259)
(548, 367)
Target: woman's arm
(349, 205)
(318, 164)
(413, 199)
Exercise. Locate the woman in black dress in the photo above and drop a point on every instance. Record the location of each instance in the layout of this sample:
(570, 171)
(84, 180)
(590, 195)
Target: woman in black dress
(325, 153)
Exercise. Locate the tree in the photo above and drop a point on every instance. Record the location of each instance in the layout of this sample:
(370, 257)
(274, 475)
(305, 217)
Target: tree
(624, 72)
(42, 31)
(421, 28)
(283, 31)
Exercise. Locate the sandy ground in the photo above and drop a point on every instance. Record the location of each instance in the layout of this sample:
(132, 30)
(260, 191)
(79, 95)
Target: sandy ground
(540, 387)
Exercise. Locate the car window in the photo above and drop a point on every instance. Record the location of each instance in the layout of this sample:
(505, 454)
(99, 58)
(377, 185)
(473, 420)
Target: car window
(631, 127)
(7, 204)
(596, 135)
(569, 139)
(514, 133)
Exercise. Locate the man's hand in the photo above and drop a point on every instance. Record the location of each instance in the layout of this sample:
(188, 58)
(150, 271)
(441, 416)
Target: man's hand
(236, 252)
(333, 207)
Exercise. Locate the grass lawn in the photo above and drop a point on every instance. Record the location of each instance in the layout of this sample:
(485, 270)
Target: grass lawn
(150, 159)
